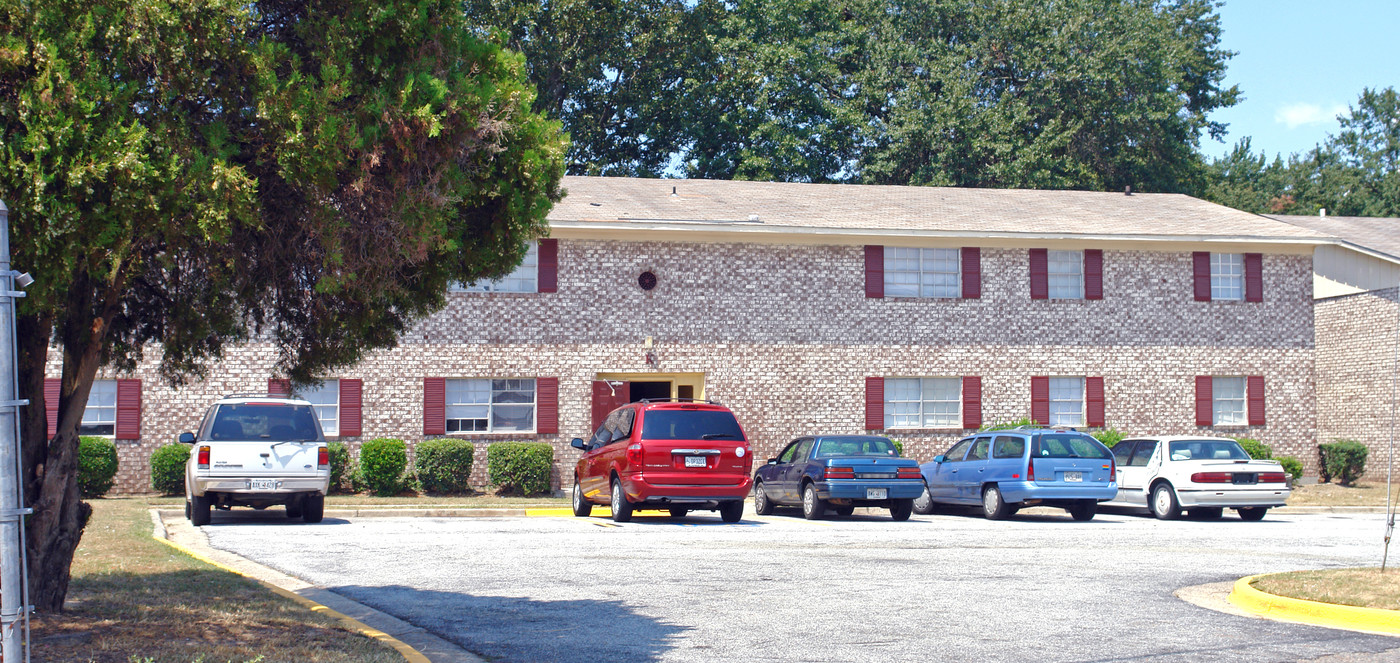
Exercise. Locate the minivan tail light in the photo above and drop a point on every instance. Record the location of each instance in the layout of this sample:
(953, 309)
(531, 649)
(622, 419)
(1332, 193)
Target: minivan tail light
(840, 473)
(323, 458)
(1272, 477)
(1211, 477)
(203, 460)
(634, 455)
(1030, 469)
(910, 473)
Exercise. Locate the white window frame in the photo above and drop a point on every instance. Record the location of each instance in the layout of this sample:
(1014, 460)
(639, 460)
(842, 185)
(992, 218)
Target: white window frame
(466, 396)
(525, 278)
(1229, 401)
(325, 400)
(1065, 274)
(1227, 277)
(927, 273)
(1067, 402)
(98, 412)
(923, 403)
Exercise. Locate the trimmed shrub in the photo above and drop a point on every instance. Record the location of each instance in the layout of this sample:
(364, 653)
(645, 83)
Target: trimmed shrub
(444, 465)
(382, 464)
(1344, 460)
(1109, 436)
(340, 466)
(898, 446)
(168, 469)
(1256, 449)
(1292, 466)
(97, 466)
(520, 467)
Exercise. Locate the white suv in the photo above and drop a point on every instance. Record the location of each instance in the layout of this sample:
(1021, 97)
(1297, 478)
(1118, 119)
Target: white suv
(259, 451)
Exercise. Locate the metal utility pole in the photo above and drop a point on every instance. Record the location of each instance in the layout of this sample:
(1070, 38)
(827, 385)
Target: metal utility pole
(14, 576)
(1390, 459)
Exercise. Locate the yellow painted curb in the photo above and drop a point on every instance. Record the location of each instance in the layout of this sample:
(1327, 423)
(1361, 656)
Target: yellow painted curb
(1317, 613)
(410, 654)
(566, 512)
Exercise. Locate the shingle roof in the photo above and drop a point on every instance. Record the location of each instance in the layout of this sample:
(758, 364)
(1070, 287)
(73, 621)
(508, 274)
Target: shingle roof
(1380, 234)
(924, 210)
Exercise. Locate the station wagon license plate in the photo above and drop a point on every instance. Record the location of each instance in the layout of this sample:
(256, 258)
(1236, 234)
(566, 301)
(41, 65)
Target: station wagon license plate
(695, 461)
(1074, 476)
(262, 484)
(877, 493)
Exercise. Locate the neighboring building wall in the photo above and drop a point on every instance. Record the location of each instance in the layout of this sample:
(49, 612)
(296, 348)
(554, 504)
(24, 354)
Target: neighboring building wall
(786, 337)
(1356, 370)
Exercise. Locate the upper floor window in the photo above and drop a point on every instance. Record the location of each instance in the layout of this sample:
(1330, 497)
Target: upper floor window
(922, 402)
(100, 415)
(490, 405)
(525, 278)
(1227, 276)
(1066, 272)
(930, 273)
(325, 400)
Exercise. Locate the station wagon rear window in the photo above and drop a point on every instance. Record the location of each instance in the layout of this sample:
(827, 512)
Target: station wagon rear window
(1207, 450)
(265, 421)
(1050, 445)
(829, 447)
(690, 425)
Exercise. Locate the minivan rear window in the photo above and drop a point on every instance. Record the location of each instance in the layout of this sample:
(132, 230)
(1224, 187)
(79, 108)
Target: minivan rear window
(1050, 445)
(690, 425)
(265, 421)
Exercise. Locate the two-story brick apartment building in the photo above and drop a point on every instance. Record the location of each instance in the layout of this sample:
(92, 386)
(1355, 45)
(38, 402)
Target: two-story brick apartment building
(917, 312)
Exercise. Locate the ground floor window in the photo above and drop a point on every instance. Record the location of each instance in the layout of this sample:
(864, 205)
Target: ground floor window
(490, 405)
(326, 401)
(1228, 401)
(922, 402)
(100, 415)
(1066, 402)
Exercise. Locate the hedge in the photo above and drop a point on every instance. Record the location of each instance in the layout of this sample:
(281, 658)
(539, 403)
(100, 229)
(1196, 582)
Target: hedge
(340, 465)
(1292, 466)
(382, 464)
(168, 469)
(1256, 449)
(97, 466)
(520, 467)
(1344, 460)
(444, 465)
(1109, 436)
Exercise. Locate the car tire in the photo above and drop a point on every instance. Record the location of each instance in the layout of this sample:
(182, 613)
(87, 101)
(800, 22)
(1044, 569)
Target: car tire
(732, 512)
(313, 508)
(844, 509)
(1084, 510)
(187, 508)
(761, 504)
(1253, 513)
(812, 506)
(1206, 513)
(1164, 505)
(199, 510)
(582, 507)
(924, 504)
(993, 506)
(621, 508)
(901, 508)
(294, 508)
(679, 513)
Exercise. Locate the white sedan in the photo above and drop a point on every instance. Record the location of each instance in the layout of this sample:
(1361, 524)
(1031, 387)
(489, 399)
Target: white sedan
(1204, 475)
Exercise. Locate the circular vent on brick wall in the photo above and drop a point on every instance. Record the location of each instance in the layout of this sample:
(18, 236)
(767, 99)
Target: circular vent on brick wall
(647, 280)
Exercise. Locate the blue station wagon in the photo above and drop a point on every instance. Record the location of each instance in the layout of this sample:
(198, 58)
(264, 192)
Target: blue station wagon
(840, 472)
(1006, 470)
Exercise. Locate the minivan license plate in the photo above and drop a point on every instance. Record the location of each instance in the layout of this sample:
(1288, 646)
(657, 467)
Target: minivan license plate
(262, 484)
(877, 493)
(1074, 476)
(695, 461)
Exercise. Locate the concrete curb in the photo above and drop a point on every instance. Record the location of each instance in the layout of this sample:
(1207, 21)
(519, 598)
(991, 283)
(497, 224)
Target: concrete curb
(1316, 613)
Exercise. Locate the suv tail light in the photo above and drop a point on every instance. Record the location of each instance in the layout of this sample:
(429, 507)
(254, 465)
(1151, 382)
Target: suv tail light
(1272, 477)
(1211, 477)
(323, 458)
(840, 473)
(634, 455)
(203, 460)
(910, 473)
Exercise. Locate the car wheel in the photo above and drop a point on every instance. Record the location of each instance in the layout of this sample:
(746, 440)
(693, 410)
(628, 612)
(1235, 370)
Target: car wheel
(923, 504)
(1084, 510)
(1209, 513)
(679, 513)
(812, 506)
(1253, 513)
(900, 509)
(621, 508)
(1164, 504)
(199, 510)
(993, 507)
(294, 508)
(761, 504)
(582, 507)
(313, 507)
(732, 512)
(844, 509)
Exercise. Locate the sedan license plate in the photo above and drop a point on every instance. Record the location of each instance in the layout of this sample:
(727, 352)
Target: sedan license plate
(1244, 479)
(1074, 476)
(877, 493)
(695, 461)
(262, 484)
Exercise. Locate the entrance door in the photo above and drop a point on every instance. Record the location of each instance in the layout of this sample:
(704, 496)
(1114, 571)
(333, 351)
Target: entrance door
(654, 390)
(608, 395)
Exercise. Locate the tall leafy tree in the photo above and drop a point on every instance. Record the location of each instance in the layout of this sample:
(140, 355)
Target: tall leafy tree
(184, 174)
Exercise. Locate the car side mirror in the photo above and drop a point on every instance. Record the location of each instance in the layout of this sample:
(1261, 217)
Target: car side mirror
(939, 459)
(186, 438)
(577, 443)
(772, 461)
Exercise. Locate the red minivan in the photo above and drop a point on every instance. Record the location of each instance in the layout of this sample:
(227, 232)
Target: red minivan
(678, 456)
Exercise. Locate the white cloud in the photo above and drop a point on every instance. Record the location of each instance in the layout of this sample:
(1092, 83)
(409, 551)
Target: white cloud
(1301, 114)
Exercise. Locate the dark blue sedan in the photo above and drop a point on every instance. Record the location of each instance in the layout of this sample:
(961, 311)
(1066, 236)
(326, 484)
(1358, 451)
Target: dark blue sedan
(840, 472)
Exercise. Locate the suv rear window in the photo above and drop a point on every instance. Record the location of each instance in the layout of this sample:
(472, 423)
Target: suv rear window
(690, 425)
(1068, 446)
(264, 421)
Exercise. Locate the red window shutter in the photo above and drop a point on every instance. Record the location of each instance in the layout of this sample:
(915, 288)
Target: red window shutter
(1200, 266)
(1093, 402)
(972, 401)
(351, 407)
(1205, 411)
(971, 273)
(128, 410)
(53, 388)
(874, 272)
(1255, 386)
(434, 406)
(549, 265)
(277, 387)
(1040, 275)
(1253, 277)
(547, 397)
(1093, 273)
(1040, 400)
(874, 403)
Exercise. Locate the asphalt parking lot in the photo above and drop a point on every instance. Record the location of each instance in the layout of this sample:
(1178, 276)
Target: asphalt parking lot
(778, 588)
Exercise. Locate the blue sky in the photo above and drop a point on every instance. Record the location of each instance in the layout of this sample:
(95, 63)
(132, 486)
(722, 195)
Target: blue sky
(1299, 63)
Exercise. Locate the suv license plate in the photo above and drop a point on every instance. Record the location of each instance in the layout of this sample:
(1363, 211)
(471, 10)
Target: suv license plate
(695, 461)
(262, 484)
(877, 493)
(1074, 476)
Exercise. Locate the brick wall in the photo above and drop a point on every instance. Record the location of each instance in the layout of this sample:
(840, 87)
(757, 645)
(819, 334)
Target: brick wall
(1356, 367)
